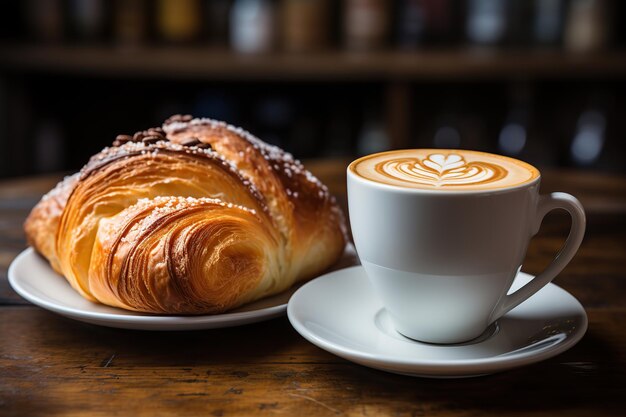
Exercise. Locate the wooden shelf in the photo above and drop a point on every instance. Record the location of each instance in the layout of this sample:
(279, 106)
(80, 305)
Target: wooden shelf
(198, 63)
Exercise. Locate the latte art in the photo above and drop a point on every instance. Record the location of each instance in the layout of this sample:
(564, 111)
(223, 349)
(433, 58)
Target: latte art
(443, 169)
(439, 170)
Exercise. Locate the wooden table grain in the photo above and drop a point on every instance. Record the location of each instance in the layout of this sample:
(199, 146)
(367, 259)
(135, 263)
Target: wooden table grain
(50, 365)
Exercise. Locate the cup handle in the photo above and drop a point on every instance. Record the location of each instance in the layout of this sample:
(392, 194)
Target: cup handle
(546, 204)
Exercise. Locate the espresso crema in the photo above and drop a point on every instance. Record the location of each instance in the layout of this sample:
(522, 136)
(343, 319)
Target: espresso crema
(444, 169)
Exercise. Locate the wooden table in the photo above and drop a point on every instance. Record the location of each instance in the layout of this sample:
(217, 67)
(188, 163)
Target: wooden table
(50, 365)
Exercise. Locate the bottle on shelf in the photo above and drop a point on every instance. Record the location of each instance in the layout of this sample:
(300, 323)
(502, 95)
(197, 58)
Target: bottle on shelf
(179, 21)
(253, 26)
(45, 20)
(411, 25)
(548, 22)
(486, 21)
(437, 20)
(588, 25)
(130, 22)
(87, 19)
(305, 24)
(217, 21)
(366, 24)
(519, 17)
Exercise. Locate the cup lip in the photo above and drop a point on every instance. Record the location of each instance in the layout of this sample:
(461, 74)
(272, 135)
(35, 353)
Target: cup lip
(448, 192)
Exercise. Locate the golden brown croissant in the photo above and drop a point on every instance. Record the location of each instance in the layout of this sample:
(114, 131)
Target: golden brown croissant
(194, 217)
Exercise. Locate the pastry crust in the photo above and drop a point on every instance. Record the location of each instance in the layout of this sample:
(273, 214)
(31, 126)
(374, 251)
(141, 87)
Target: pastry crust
(43, 221)
(176, 226)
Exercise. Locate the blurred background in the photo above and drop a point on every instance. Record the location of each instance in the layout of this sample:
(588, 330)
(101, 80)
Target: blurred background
(540, 80)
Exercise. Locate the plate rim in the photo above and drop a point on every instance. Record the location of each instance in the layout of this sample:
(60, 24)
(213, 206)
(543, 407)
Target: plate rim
(233, 319)
(435, 367)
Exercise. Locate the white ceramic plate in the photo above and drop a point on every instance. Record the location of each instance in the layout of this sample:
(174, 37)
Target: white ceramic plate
(32, 277)
(340, 313)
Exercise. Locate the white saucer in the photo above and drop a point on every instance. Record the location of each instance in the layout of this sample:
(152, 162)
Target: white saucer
(32, 277)
(340, 313)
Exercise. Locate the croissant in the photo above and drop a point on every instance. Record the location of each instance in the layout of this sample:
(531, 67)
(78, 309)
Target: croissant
(196, 217)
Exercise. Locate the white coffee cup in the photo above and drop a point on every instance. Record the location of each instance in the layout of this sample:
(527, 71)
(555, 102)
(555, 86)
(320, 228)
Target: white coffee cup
(442, 261)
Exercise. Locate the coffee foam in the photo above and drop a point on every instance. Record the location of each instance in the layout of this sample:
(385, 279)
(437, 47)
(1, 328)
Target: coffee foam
(443, 169)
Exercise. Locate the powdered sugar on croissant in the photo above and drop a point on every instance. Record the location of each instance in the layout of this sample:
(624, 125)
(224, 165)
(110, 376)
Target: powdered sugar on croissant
(196, 217)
